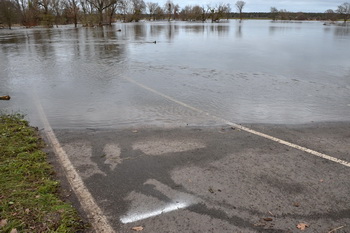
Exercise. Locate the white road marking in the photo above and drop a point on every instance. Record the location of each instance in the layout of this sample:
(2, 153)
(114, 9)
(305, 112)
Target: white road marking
(97, 219)
(246, 129)
(140, 216)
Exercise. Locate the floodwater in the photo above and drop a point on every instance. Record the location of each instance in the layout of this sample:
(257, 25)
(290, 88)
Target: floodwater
(248, 72)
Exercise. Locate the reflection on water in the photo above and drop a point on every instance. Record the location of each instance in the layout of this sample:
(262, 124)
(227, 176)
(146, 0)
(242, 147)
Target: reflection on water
(250, 71)
(343, 31)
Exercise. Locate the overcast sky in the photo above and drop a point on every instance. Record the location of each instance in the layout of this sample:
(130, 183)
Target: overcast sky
(265, 5)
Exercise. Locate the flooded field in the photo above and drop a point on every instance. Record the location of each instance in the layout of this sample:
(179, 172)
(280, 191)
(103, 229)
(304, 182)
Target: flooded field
(249, 72)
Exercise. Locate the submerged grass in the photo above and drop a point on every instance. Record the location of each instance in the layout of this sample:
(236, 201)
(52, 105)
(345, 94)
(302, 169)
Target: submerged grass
(29, 201)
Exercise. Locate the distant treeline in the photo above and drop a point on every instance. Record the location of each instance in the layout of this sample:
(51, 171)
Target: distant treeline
(104, 12)
(285, 15)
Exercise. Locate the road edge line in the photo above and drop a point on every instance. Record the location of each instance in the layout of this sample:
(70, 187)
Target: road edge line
(97, 219)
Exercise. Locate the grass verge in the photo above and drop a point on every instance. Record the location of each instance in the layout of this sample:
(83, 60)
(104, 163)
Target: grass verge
(29, 201)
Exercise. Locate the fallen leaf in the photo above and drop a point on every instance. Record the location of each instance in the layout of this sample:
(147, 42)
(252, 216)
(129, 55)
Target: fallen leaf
(296, 204)
(3, 222)
(302, 226)
(14, 230)
(137, 228)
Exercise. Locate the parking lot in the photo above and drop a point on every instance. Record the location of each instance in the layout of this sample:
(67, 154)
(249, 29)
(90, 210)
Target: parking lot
(229, 178)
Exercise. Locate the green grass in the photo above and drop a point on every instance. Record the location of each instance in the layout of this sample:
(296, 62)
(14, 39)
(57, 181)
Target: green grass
(29, 200)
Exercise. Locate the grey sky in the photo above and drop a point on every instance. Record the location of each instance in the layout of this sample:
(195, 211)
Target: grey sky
(265, 5)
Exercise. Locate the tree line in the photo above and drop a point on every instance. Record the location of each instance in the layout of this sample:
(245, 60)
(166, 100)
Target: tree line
(104, 12)
(341, 13)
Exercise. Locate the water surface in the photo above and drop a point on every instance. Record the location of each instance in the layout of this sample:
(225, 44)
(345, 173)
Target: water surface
(249, 72)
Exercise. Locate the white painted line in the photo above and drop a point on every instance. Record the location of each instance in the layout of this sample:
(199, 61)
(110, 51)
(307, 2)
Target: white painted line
(97, 219)
(140, 216)
(246, 129)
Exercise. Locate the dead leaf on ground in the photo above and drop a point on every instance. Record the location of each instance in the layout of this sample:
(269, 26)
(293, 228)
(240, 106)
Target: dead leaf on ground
(137, 228)
(302, 226)
(3, 222)
(14, 230)
(296, 204)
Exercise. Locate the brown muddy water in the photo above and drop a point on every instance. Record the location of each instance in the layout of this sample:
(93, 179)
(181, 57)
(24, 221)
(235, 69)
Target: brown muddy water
(249, 72)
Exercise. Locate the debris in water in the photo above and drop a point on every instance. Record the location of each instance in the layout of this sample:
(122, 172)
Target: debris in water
(5, 97)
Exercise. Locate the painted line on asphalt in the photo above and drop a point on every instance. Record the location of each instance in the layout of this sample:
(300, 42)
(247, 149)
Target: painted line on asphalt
(140, 216)
(246, 129)
(96, 217)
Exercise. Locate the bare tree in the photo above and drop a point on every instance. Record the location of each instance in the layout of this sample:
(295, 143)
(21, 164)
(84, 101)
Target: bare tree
(219, 11)
(344, 11)
(168, 8)
(45, 4)
(212, 13)
(111, 11)
(284, 14)
(33, 12)
(57, 7)
(124, 9)
(159, 13)
(199, 13)
(330, 15)
(186, 12)
(193, 13)
(73, 9)
(152, 6)
(224, 10)
(176, 11)
(239, 6)
(22, 6)
(8, 12)
(88, 13)
(100, 6)
(138, 8)
(273, 13)
(47, 17)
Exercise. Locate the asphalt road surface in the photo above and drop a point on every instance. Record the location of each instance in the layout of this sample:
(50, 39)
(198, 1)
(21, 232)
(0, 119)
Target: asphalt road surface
(216, 179)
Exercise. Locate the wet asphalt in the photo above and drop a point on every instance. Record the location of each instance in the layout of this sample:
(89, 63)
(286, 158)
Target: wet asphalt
(215, 179)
